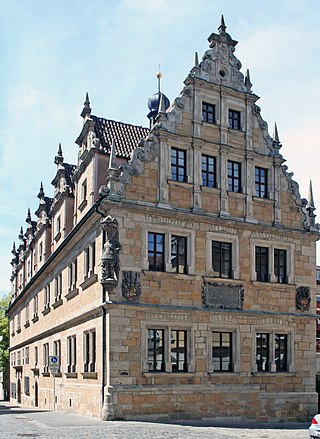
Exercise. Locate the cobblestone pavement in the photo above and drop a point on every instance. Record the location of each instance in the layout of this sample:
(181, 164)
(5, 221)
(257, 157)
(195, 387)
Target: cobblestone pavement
(17, 422)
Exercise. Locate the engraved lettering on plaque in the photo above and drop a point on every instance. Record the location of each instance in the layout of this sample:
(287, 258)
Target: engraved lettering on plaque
(222, 296)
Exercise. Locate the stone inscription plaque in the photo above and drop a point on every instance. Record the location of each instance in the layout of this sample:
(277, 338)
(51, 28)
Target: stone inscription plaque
(223, 296)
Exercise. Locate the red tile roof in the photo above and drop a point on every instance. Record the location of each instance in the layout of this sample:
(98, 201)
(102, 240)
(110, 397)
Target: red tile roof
(125, 135)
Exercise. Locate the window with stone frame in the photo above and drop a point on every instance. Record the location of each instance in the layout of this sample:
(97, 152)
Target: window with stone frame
(19, 321)
(208, 113)
(156, 350)
(178, 351)
(272, 352)
(27, 314)
(156, 251)
(36, 359)
(27, 355)
(262, 264)
(222, 259)
(179, 254)
(46, 297)
(58, 288)
(234, 119)
(45, 357)
(262, 352)
(72, 275)
(167, 350)
(222, 351)
(234, 176)
(35, 306)
(208, 170)
(261, 182)
(89, 351)
(40, 251)
(178, 165)
(280, 265)
(89, 260)
(72, 354)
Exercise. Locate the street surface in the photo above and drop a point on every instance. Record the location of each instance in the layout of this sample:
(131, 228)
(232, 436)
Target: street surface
(17, 423)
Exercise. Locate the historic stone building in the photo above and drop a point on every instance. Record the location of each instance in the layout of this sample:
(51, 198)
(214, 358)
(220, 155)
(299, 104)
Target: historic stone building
(173, 271)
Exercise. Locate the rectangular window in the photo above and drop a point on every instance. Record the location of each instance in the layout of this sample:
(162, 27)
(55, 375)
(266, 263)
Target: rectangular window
(179, 351)
(35, 306)
(35, 356)
(222, 259)
(156, 251)
(262, 265)
(57, 351)
(71, 354)
(89, 351)
(84, 190)
(262, 352)
(261, 182)
(40, 251)
(58, 287)
(89, 260)
(208, 168)
(27, 359)
(222, 352)
(178, 165)
(46, 301)
(179, 254)
(208, 113)
(72, 279)
(234, 119)
(156, 350)
(281, 352)
(234, 176)
(45, 358)
(280, 265)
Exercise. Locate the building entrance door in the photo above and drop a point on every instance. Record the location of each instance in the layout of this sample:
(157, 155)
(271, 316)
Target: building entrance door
(36, 401)
(19, 391)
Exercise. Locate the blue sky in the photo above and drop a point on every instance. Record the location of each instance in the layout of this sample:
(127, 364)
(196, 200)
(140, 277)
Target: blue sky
(53, 52)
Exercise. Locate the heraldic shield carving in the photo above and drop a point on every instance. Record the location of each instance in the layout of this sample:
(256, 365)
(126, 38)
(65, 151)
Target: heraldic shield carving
(303, 298)
(131, 286)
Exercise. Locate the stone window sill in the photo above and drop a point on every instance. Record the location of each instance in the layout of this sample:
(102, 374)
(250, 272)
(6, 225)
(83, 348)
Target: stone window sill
(35, 318)
(18, 330)
(89, 281)
(27, 324)
(72, 293)
(89, 375)
(82, 205)
(71, 374)
(46, 311)
(57, 303)
(57, 237)
(45, 374)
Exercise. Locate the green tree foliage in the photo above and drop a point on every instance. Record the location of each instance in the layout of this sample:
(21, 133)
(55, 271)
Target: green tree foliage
(4, 332)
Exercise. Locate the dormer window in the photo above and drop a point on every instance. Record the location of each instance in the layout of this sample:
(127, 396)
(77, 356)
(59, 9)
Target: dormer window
(234, 120)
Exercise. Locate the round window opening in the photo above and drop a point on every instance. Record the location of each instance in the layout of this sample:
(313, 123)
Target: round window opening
(222, 73)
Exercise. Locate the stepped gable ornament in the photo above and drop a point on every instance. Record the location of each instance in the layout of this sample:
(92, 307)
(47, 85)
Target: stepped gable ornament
(131, 286)
(110, 263)
(303, 298)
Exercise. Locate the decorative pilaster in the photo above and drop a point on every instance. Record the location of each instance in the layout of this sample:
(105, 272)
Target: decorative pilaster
(249, 184)
(224, 201)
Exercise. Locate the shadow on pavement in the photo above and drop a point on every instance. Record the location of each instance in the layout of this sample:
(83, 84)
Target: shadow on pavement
(7, 409)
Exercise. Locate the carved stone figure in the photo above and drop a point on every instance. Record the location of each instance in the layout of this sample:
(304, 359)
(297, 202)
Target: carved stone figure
(303, 298)
(131, 286)
(110, 263)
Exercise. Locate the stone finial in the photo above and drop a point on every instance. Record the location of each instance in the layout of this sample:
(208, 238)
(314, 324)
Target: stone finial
(28, 219)
(86, 109)
(275, 133)
(196, 59)
(112, 159)
(13, 251)
(20, 236)
(41, 191)
(222, 27)
(59, 157)
(247, 81)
